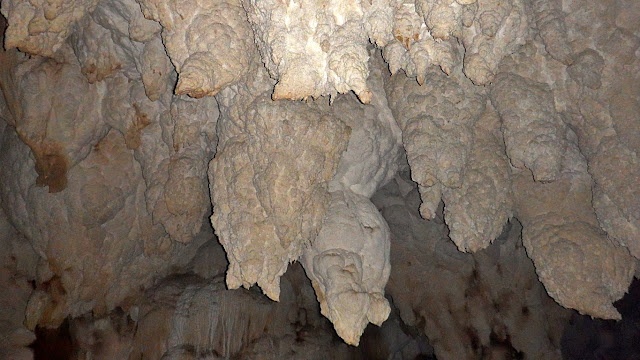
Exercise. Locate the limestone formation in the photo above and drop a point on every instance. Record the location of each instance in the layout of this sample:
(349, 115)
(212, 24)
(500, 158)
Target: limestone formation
(534, 134)
(348, 261)
(134, 131)
(269, 180)
(451, 157)
(477, 211)
(498, 29)
(349, 265)
(41, 27)
(484, 305)
(18, 267)
(549, 19)
(316, 48)
(565, 242)
(415, 48)
(209, 43)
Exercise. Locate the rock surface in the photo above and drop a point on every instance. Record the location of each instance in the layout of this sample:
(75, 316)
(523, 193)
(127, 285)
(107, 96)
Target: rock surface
(485, 305)
(126, 124)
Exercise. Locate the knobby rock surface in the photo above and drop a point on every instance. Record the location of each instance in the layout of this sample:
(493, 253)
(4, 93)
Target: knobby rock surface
(133, 132)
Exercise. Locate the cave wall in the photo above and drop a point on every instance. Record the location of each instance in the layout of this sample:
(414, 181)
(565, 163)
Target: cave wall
(133, 131)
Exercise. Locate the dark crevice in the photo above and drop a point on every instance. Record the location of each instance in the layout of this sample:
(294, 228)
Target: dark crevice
(53, 344)
(586, 338)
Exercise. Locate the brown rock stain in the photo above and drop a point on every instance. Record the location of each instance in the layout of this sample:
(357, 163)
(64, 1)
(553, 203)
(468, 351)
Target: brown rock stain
(132, 136)
(57, 293)
(52, 165)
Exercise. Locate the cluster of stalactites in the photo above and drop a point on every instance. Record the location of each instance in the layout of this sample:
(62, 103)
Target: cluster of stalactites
(319, 48)
(311, 48)
(288, 175)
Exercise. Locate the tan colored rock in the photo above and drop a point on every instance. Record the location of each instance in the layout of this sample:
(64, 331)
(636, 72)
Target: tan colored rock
(600, 101)
(580, 266)
(115, 39)
(534, 133)
(100, 105)
(18, 269)
(374, 148)
(477, 211)
(188, 317)
(319, 48)
(498, 29)
(549, 19)
(348, 261)
(269, 180)
(209, 43)
(437, 122)
(470, 306)
(348, 264)
(41, 27)
(416, 49)
(94, 234)
(443, 17)
(54, 111)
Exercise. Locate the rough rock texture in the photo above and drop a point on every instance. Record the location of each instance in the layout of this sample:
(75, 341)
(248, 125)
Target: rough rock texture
(316, 48)
(60, 122)
(319, 48)
(533, 132)
(189, 318)
(416, 49)
(486, 305)
(606, 116)
(175, 169)
(41, 27)
(428, 33)
(498, 29)
(437, 121)
(477, 211)
(348, 262)
(456, 154)
(371, 157)
(549, 19)
(193, 317)
(71, 115)
(18, 270)
(269, 180)
(98, 229)
(580, 267)
(95, 233)
(349, 265)
(208, 42)
(113, 157)
(584, 172)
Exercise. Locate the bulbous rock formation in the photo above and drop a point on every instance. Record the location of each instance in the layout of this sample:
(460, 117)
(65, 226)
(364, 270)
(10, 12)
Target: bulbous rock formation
(126, 124)
(41, 27)
(209, 43)
(348, 263)
(316, 48)
(566, 244)
(475, 306)
(281, 157)
(477, 211)
(534, 134)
